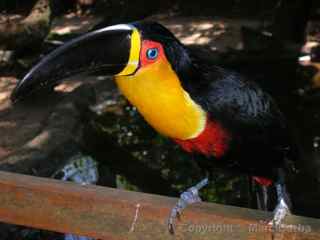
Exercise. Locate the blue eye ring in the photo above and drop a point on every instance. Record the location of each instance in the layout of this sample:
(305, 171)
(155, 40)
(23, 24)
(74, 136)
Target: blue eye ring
(152, 53)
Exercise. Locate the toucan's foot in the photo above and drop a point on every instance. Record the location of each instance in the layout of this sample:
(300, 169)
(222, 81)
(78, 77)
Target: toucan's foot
(280, 212)
(186, 198)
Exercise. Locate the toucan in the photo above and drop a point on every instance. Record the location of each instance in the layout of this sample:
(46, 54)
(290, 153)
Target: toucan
(210, 111)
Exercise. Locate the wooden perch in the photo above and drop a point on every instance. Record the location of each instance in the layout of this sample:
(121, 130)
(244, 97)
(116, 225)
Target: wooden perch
(106, 213)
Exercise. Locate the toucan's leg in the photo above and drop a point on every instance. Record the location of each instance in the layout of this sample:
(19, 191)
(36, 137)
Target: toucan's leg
(283, 207)
(262, 197)
(186, 198)
(265, 197)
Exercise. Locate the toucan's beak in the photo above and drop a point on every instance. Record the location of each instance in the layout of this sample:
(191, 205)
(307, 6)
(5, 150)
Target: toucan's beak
(112, 51)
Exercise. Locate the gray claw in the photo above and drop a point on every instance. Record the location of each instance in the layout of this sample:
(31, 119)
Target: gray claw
(280, 212)
(186, 198)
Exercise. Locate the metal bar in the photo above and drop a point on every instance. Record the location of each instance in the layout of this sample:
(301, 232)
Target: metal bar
(106, 213)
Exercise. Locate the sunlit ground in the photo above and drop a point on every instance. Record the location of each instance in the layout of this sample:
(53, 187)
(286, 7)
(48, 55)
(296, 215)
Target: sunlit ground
(217, 33)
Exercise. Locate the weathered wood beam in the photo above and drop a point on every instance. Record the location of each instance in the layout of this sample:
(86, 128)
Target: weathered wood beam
(105, 213)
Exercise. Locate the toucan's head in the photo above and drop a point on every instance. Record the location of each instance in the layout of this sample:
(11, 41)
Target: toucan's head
(119, 50)
(147, 62)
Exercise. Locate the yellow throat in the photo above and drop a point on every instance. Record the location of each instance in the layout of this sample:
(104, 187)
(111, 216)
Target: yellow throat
(156, 92)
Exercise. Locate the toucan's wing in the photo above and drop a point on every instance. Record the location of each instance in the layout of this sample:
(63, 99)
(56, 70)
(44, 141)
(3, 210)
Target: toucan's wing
(250, 113)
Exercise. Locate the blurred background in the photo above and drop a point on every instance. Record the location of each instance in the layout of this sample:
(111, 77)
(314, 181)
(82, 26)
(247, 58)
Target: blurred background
(274, 42)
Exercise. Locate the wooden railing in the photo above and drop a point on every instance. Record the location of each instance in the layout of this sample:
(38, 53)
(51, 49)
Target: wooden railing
(106, 213)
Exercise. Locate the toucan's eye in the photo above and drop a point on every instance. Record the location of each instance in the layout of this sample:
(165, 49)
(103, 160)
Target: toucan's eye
(152, 53)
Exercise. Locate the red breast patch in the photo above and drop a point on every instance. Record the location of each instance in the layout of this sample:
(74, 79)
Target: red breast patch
(213, 141)
(263, 181)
